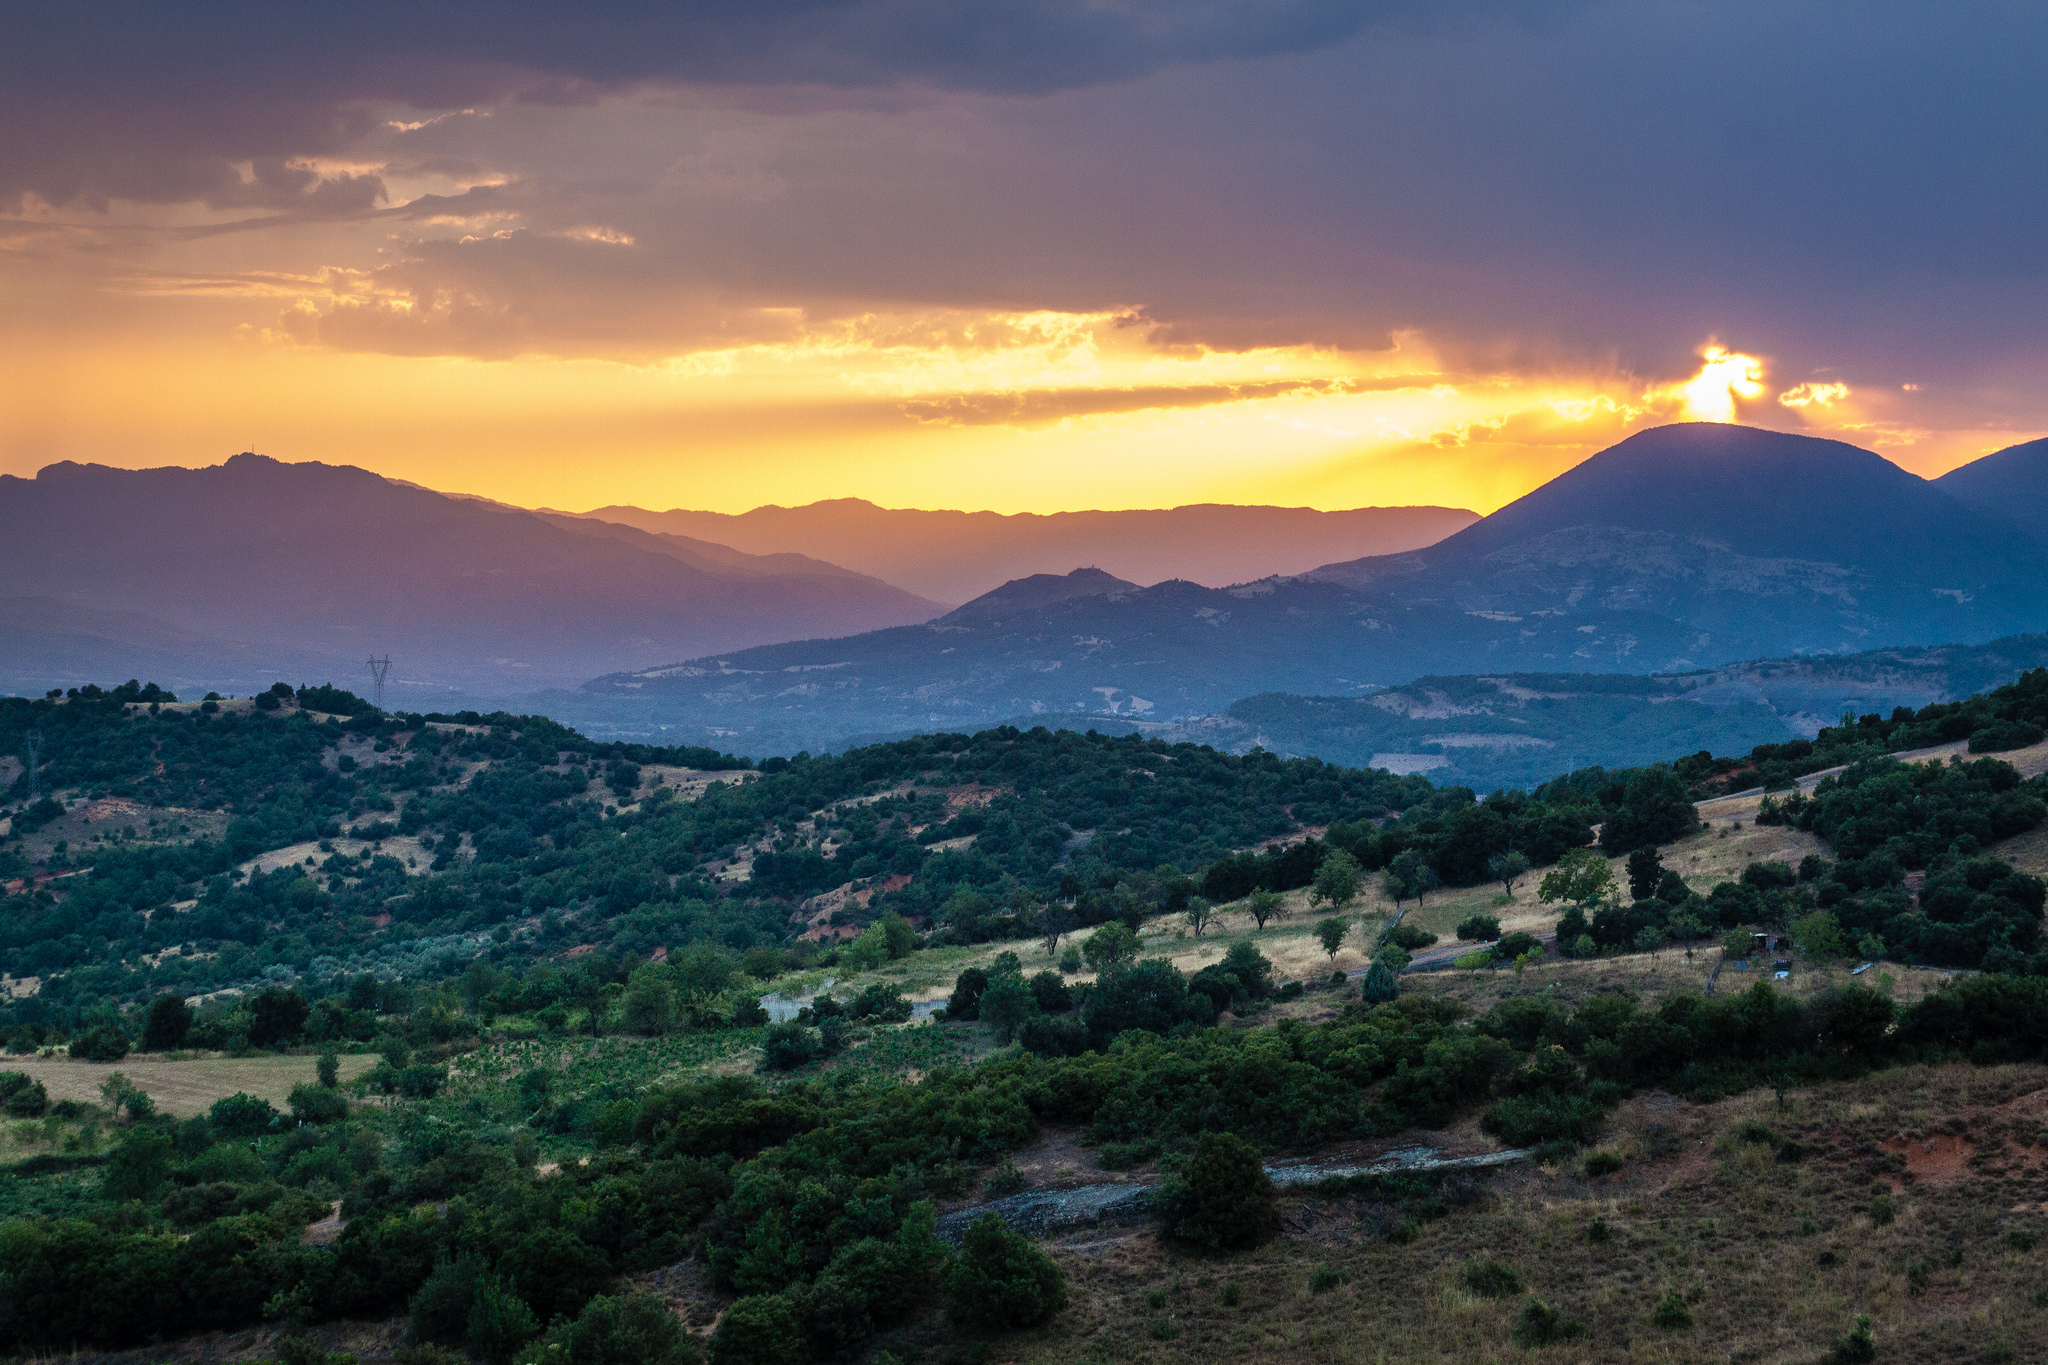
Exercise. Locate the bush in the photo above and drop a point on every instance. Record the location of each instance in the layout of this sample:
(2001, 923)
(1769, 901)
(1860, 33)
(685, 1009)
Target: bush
(100, 1043)
(440, 1310)
(240, 1116)
(1051, 993)
(1381, 984)
(1516, 944)
(1491, 1279)
(1002, 1280)
(788, 1046)
(1479, 929)
(318, 1104)
(1539, 1324)
(1602, 1163)
(170, 1019)
(2002, 735)
(759, 1330)
(499, 1324)
(1410, 936)
(1671, 1314)
(26, 1099)
(1324, 1278)
(1856, 1348)
(1221, 1197)
(965, 1001)
(630, 1329)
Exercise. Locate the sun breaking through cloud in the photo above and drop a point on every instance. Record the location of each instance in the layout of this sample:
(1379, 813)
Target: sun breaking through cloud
(1725, 376)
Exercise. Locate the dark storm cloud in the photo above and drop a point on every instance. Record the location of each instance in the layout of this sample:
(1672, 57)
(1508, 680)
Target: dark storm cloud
(148, 101)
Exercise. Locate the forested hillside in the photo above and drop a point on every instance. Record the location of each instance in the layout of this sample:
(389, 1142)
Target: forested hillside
(558, 948)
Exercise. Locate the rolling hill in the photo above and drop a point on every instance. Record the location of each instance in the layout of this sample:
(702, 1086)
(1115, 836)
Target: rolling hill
(2011, 484)
(1683, 548)
(334, 562)
(954, 556)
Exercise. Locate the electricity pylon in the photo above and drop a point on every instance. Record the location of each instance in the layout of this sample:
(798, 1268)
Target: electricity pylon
(379, 669)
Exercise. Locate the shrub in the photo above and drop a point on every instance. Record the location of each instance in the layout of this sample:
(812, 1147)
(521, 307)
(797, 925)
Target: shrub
(1479, 929)
(170, 1019)
(1410, 936)
(240, 1116)
(1324, 1278)
(629, 1329)
(1005, 1180)
(28, 1100)
(1602, 1163)
(100, 1043)
(788, 1046)
(1221, 1198)
(1671, 1314)
(1491, 1279)
(1539, 1324)
(1882, 1210)
(1381, 985)
(499, 1324)
(1856, 1348)
(1598, 1233)
(759, 1330)
(1051, 993)
(2021, 1239)
(1516, 944)
(440, 1310)
(1002, 1280)
(2002, 735)
(318, 1104)
(1231, 1295)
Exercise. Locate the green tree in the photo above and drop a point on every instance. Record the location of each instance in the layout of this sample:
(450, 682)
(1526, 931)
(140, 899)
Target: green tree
(1332, 931)
(1199, 914)
(1655, 809)
(170, 1019)
(1007, 1003)
(277, 1017)
(761, 1329)
(649, 1005)
(1336, 879)
(1645, 870)
(1266, 905)
(499, 1324)
(140, 1163)
(328, 1069)
(1381, 984)
(1002, 1280)
(1110, 947)
(1582, 877)
(898, 937)
(627, 1329)
(1506, 868)
(1221, 1198)
(1819, 935)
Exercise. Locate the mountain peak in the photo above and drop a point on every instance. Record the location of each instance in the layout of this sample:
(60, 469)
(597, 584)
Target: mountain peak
(1043, 590)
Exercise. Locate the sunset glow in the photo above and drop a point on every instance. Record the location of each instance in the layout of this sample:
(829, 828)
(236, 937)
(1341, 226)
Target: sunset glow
(1724, 377)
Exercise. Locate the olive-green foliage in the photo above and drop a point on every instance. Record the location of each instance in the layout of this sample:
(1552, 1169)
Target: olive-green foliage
(629, 1329)
(1538, 1324)
(1002, 1280)
(499, 1324)
(760, 1329)
(1491, 1279)
(1220, 1199)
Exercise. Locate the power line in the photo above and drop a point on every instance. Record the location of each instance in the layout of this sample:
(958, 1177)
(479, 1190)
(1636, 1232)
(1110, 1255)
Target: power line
(379, 670)
(35, 781)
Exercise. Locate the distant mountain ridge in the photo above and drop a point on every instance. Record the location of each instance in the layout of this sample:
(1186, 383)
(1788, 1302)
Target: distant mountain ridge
(1682, 548)
(333, 561)
(955, 556)
(2011, 484)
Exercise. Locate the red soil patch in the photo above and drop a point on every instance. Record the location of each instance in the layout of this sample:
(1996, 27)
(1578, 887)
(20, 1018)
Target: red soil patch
(1938, 1160)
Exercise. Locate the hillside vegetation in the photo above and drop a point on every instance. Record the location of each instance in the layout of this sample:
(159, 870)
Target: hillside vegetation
(569, 1106)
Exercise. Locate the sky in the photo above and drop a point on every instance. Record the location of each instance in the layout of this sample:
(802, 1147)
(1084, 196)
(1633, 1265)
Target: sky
(1022, 255)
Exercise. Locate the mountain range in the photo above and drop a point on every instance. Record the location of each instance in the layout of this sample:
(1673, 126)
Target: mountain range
(255, 569)
(1684, 547)
(954, 556)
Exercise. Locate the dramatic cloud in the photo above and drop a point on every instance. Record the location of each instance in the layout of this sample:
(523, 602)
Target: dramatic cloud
(1478, 237)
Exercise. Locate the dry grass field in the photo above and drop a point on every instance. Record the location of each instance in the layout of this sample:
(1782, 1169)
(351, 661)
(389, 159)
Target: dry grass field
(1918, 1201)
(180, 1084)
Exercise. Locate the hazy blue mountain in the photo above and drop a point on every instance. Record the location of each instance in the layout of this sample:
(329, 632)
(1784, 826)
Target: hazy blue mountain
(1750, 542)
(2011, 484)
(1682, 548)
(334, 561)
(52, 643)
(954, 556)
